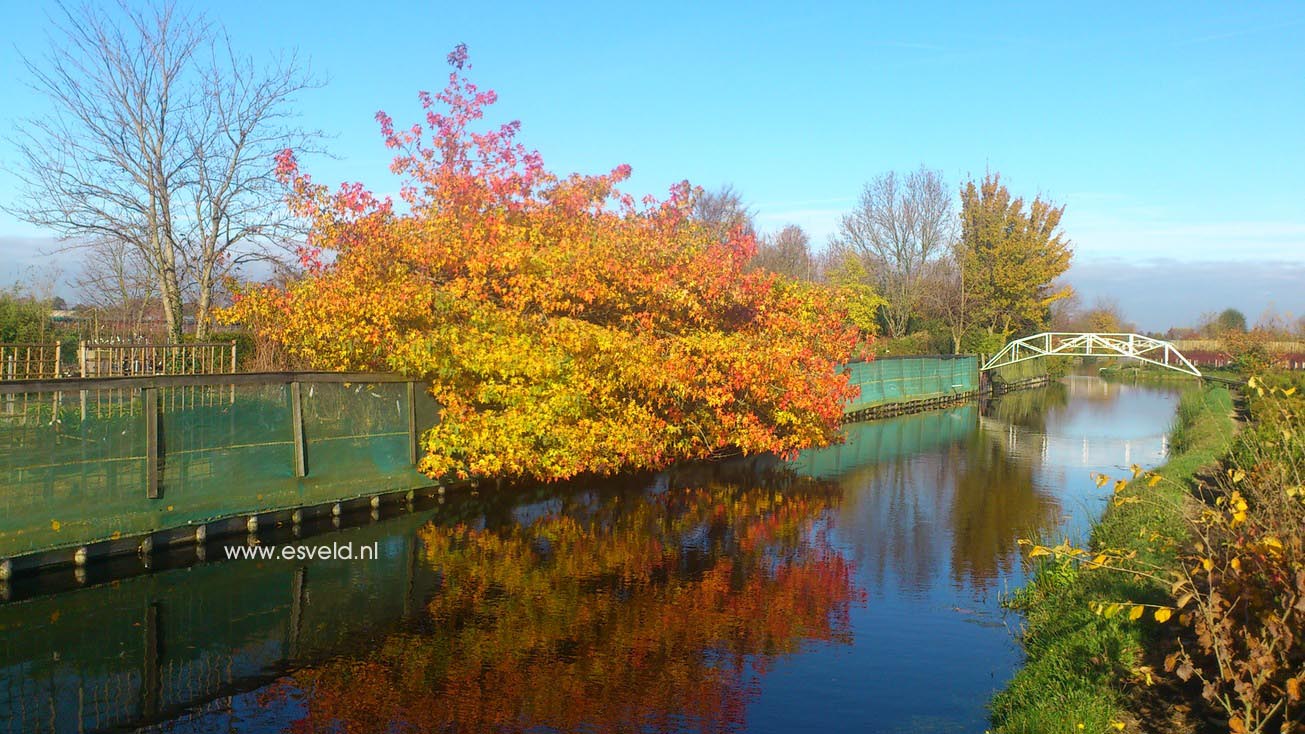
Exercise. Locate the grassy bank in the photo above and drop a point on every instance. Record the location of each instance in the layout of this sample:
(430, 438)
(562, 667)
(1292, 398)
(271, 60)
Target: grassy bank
(1081, 664)
(1132, 371)
(1048, 367)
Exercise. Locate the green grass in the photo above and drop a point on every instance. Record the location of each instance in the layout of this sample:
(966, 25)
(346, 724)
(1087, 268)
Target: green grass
(1079, 663)
(1135, 371)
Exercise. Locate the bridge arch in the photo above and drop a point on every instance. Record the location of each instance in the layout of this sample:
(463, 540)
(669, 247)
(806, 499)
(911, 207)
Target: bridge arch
(1087, 344)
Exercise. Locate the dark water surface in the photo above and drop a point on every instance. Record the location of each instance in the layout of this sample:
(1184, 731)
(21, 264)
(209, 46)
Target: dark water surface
(853, 589)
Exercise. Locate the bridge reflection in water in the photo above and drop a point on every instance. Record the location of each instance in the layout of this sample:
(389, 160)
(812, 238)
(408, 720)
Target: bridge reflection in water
(713, 598)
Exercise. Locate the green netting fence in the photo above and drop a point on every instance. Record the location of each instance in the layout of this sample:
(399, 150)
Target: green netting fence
(881, 442)
(83, 461)
(905, 379)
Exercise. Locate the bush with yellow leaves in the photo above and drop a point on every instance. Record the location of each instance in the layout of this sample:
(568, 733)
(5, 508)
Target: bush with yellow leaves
(1235, 624)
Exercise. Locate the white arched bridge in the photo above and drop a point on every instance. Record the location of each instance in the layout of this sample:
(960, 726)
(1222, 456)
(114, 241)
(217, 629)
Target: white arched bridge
(1074, 344)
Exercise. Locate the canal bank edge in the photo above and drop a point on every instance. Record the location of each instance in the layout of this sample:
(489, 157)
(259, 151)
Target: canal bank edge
(165, 497)
(1079, 664)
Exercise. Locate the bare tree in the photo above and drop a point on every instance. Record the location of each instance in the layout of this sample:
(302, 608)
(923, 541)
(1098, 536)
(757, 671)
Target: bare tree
(160, 137)
(244, 119)
(899, 226)
(945, 296)
(116, 282)
(787, 251)
(1066, 314)
(723, 211)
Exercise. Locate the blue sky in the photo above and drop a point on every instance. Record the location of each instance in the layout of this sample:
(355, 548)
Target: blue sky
(1171, 131)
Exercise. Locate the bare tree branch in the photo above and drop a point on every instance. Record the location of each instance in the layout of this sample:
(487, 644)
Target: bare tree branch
(900, 225)
(162, 138)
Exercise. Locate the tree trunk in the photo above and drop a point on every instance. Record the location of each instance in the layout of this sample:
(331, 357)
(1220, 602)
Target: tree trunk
(203, 307)
(172, 308)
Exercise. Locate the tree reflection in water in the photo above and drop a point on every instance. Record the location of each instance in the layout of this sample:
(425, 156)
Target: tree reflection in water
(652, 612)
(948, 510)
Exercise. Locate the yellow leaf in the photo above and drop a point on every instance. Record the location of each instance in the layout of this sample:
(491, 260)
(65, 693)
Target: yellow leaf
(1118, 725)
(1136, 612)
(1289, 391)
(1163, 614)
(54, 525)
(1039, 551)
(1207, 564)
(1119, 486)
(1293, 689)
(1154, 480)
(1101, 480)
(1236, 725)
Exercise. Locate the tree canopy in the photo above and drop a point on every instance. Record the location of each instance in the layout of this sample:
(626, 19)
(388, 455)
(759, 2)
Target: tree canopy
(563, 327)
(1011, 255)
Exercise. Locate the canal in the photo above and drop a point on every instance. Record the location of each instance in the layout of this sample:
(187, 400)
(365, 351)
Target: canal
(852, 588)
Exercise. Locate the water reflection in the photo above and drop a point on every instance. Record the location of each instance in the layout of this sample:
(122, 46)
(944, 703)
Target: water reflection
(853, 589)
(952, 504)
(630, 613)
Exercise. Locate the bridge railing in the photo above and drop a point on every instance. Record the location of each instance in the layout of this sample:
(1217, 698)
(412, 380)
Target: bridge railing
(1093, 344)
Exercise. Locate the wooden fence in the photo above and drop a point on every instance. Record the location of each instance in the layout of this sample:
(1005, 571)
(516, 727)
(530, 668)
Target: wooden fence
(116, 359)
(29, 361)
(126, 359)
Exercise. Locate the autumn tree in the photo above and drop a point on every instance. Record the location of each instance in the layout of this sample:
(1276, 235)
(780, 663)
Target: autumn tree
(722, 211)
(563, 327)
(787, 252)
(1230, 319)
(1105, 317)
(162, 137)
(846, 278)
(1012, 253)
(900, 224)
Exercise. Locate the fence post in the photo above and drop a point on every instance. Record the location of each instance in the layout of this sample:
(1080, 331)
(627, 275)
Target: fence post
(412, 422)
(233, 356)
(151, 678)
(297, 425)
(149, 398)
